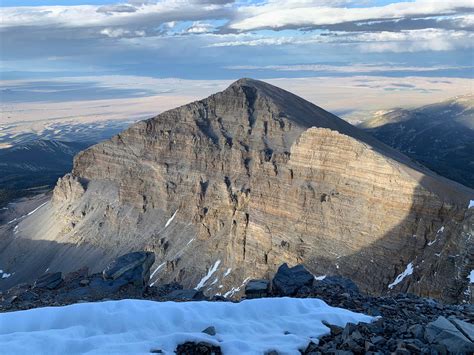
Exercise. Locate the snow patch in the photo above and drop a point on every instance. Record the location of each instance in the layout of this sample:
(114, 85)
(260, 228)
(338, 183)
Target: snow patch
(36, 209)
(408, 271)
(211, 271)
(234, 290)
(227, 272)
(441, 230)
(137, 326)
(471, 204)
(471, 277)
(320, 278)
(156, 270)
(28, 214)
(171, 219)
(432, 242)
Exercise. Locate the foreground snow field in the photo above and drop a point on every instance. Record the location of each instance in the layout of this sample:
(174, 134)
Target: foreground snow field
(137, 326)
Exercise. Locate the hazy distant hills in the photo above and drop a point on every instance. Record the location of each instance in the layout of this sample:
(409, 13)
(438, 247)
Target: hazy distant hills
(35, 165)
(440, 136)
(14, 134)
(32, 159)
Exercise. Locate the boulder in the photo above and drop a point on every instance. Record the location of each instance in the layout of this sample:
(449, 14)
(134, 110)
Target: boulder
(335, 330)
(185, 295)
(257, 288)
(445, 333)
(417, 331)
(346, 284)
(288, 281)
(210, 330)
(50, 281)
(466, 328)
(79, 274)
(132, 267)
(201, 348)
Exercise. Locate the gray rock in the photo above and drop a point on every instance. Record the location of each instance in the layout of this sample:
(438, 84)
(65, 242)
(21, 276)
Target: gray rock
(348, 330)
(335, 330)
(288, 281)
(28, 296)
(443, 332)
(131, 266)
(257, 288)
(210, 331)
(466, 328)
(201, 348)
(49, 281)
(373, 311)
(185, 295)
(417, 331)
(343, 282)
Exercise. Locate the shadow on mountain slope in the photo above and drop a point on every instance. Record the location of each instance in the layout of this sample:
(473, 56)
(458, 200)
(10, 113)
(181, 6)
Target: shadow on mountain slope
(27, 259)
(434, 237)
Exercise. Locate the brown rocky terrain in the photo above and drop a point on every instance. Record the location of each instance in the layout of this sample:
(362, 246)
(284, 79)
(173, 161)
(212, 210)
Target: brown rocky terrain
(229, 187)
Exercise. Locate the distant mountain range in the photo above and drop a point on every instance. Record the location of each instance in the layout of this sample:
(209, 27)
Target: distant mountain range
(27, 168)
(440, 136)
(32, 160)
(226, 189)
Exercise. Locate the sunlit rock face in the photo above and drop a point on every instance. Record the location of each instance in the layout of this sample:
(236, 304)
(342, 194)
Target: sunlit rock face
(228, 188)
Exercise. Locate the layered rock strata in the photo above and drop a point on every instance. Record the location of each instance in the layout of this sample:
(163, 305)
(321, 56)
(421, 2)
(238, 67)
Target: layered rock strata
(227, 188)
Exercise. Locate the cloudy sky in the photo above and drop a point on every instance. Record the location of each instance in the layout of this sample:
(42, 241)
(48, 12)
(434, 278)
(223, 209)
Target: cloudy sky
(58, 50)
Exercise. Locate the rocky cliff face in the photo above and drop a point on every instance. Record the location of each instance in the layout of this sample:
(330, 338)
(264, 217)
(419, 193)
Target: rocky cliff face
(228, 188)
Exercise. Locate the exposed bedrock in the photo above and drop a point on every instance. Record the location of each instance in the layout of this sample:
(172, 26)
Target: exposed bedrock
(227, 188)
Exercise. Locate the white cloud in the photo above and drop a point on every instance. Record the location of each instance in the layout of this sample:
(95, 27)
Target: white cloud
(416, 40)
(403, 41)
(121, 37)
(282, 13)
(348, 69)
(121, 32)
(269, 41)
(199, 27)
(111, 15)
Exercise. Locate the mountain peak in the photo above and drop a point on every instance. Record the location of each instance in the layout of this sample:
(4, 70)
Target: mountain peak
(254, 83)
(246, 179)
(275, 93)
(248, 82)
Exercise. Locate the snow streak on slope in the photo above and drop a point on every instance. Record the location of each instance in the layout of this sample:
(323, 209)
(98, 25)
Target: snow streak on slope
(168, 222)
(28, 214)
(408, 271)
(137, 326)
(208, 276)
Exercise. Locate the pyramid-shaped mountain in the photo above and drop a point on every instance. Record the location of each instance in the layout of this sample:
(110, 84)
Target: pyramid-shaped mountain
(227, 188)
